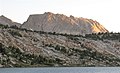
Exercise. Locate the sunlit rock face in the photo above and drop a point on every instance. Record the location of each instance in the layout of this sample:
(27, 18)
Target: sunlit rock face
(6, 21)
(50, 22)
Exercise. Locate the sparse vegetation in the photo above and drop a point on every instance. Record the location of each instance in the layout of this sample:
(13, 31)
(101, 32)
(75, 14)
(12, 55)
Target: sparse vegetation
(80, 55)
(22, 60)
(102, 36)
(15, 33)
(3, 26)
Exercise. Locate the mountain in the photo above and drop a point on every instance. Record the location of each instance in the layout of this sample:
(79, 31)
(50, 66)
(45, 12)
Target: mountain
(50, 22)
(6, 21)
(27, 48)
(49, 45)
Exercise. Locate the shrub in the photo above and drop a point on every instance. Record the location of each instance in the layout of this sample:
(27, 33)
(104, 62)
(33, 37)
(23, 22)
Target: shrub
(14, 26)
(15, 33)
(61, 48)
(3, 26)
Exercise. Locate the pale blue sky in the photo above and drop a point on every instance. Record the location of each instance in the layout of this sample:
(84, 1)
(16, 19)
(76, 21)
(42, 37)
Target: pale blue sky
(107, 12)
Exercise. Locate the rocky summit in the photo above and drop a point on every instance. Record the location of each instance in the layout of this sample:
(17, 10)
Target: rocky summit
(50, 22)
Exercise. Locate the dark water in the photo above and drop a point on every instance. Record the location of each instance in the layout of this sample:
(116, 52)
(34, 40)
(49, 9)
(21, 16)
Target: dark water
(62, 70)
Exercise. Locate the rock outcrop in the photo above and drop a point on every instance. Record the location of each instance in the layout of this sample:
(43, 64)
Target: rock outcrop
(60, 23)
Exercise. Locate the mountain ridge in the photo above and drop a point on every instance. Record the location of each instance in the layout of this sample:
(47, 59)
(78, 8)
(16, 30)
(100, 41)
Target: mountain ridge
(59, 23)
(6, 21)
(50, 22)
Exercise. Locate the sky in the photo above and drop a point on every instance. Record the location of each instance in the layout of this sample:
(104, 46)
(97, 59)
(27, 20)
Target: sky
(106, 12)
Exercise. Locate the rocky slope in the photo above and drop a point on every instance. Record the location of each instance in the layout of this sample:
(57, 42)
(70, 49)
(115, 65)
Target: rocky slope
(28, 48)
(6, 21)
(60, 23)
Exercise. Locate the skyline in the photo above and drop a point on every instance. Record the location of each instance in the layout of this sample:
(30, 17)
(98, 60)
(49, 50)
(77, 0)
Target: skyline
(106, 12)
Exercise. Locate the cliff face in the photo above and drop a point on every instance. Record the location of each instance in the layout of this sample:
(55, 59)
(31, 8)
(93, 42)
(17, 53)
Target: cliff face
(60, 23)
(6, 21)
